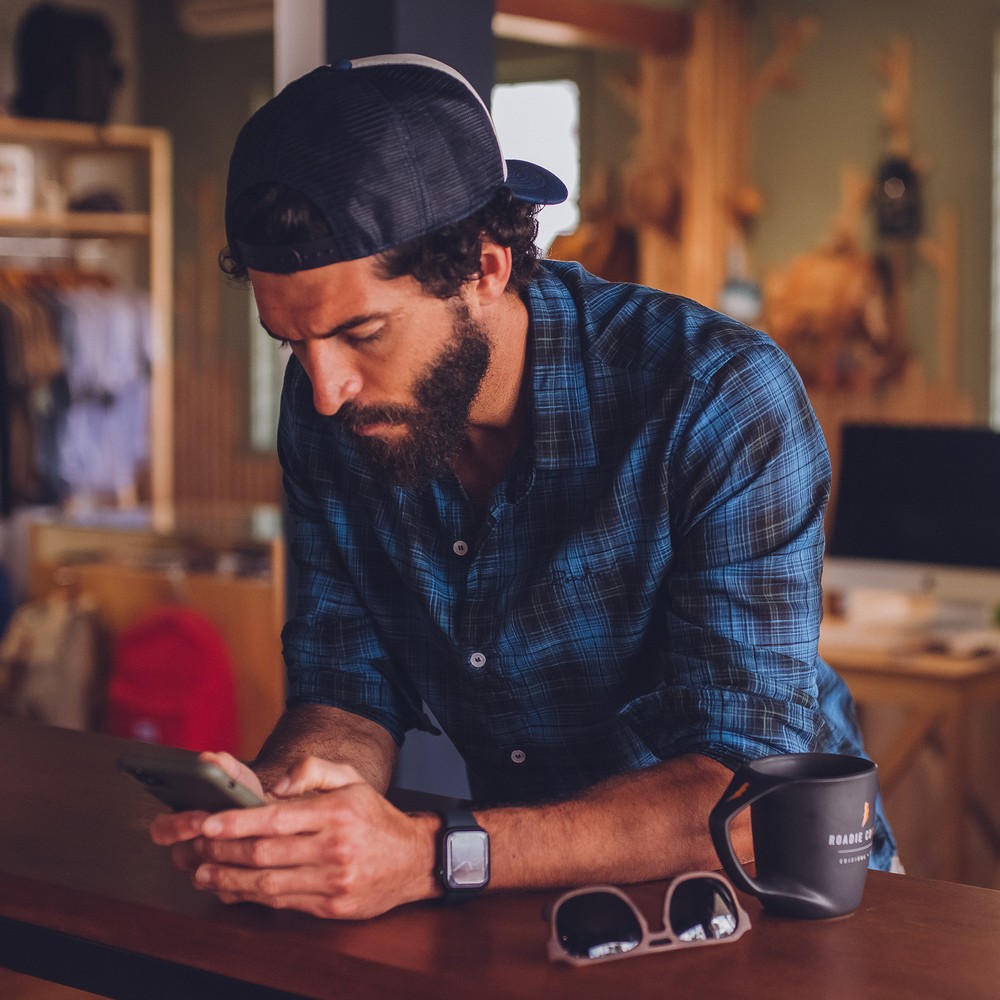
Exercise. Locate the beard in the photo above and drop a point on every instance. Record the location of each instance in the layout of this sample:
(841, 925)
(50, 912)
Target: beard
(439, 421)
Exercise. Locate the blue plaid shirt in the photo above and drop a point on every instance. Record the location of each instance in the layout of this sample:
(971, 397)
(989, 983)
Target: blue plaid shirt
(645, 584)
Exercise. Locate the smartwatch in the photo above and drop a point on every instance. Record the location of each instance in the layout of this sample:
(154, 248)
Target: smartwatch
(463, 856)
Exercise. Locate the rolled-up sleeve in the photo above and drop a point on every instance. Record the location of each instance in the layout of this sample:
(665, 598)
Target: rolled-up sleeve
(749, 482)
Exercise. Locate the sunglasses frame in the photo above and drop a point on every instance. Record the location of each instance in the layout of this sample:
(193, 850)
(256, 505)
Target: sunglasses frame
(651, 942)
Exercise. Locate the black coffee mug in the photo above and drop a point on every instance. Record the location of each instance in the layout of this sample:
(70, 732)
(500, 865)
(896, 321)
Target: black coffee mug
(813, 821)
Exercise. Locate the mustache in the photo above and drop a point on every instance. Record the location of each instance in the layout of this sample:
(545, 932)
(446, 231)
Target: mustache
(354, 417)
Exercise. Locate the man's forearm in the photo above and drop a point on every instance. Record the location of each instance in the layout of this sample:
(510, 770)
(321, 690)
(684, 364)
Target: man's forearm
(330, 733)
(633, 828)
(363, 856)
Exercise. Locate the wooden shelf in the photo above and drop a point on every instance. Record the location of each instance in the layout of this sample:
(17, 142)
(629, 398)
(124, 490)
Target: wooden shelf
(128, 570)
(148, 151)
(79, 224)
(100, 138)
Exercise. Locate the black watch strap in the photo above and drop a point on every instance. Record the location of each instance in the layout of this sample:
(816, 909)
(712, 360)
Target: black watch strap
(458, 821)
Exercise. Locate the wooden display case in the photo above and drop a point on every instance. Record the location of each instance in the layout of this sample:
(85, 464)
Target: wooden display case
(145, 154)
(229, 564)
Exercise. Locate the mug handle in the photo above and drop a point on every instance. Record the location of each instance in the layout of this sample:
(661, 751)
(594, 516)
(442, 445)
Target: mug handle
(745, 788)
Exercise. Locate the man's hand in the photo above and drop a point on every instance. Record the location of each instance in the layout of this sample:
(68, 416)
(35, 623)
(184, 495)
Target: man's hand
(179, 828)
(327, 843)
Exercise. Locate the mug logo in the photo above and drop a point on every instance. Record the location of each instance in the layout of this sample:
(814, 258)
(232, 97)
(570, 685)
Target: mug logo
(868, 812)
(739, 791)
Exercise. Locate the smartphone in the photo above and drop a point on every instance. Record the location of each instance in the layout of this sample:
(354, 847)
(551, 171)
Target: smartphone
(183, 782)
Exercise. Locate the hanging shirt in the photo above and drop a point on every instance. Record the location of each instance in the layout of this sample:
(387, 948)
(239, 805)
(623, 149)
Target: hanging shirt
(105, 341)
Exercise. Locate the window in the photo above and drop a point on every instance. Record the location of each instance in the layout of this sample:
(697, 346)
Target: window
(540, 122)
(267, 369)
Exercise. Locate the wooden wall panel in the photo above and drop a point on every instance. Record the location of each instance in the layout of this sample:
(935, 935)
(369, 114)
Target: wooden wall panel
(213, 457)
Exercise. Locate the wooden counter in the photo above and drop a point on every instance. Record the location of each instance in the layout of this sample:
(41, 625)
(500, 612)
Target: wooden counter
(86, 899)
(938, 695)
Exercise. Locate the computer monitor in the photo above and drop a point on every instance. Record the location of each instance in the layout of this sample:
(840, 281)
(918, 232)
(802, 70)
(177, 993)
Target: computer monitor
(918, 509)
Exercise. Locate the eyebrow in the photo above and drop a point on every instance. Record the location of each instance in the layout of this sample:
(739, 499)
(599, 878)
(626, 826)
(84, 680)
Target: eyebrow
(345, 327)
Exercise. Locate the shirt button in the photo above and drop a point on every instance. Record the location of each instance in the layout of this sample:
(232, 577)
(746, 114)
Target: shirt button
(518, 756)
(460, 548)
(478, 660)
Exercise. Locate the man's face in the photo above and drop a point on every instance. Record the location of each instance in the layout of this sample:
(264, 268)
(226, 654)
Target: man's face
(437, 423)
(401, 369)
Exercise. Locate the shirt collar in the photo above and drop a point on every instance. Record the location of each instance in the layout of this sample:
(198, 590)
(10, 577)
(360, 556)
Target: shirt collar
(562, 427)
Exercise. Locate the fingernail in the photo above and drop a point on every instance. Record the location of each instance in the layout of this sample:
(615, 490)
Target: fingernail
(281, 786)
(202, 874)
(211, 827)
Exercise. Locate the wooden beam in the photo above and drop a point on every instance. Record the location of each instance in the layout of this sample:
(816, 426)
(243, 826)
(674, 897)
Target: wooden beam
(602, 23)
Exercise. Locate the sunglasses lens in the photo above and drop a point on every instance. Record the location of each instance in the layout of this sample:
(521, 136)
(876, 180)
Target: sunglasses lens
(597, 924)
(702, 909)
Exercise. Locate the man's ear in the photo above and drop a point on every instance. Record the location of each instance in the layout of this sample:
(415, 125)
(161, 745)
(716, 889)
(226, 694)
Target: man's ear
(494, 272)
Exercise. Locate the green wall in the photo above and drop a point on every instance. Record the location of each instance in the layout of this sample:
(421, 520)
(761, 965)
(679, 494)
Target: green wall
(801, 141)
(202, 90)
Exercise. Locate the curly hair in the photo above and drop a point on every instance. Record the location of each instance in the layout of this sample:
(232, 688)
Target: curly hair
(442, 261)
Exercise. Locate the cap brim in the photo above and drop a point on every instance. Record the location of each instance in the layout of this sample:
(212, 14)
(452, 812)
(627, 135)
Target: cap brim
(530, 182)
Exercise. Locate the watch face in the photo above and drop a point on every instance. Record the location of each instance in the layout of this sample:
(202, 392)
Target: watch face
(467, 859)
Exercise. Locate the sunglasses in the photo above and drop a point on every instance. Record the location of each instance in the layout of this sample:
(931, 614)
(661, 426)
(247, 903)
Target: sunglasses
(600, 922)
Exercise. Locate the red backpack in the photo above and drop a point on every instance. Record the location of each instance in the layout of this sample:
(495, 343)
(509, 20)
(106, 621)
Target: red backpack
(172, 683)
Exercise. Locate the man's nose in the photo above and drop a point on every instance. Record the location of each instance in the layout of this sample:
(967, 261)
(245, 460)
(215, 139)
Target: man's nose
(334, 379)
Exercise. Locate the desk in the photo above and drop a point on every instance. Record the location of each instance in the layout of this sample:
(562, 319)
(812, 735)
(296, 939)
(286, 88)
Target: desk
(87, 900)
(939, 694)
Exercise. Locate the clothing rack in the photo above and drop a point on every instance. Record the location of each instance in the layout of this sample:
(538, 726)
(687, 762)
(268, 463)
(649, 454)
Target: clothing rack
(67, 276)
(75, 359)
(57, 228)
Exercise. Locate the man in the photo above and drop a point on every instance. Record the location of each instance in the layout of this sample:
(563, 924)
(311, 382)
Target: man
(582, 522)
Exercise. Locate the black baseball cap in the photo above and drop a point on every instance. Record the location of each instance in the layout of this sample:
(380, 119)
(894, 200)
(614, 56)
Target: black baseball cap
(387, 149)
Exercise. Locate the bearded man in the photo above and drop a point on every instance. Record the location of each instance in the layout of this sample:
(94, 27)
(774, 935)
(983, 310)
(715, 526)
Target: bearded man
(582, 522)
